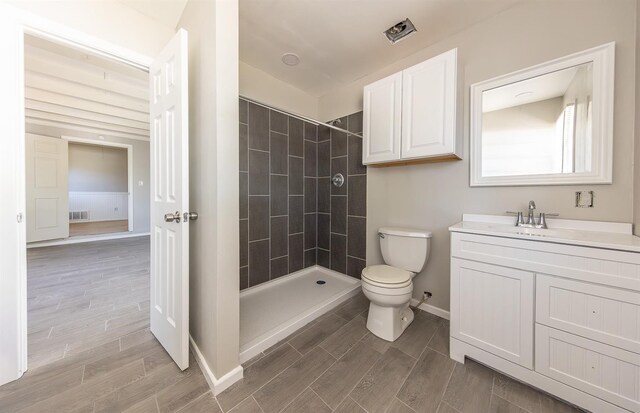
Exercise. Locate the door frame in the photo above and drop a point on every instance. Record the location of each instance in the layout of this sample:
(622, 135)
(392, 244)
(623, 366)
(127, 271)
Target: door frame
(27, 23)
(129, 149)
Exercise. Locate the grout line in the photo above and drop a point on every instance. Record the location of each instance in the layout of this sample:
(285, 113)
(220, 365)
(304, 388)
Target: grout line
(256, 402)
(84, 368)
(320, 397)
(259, 240)
(409, 407)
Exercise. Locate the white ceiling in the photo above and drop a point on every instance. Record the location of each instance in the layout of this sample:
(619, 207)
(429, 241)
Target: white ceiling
(166, 12)
(536, 89)
(340, 41)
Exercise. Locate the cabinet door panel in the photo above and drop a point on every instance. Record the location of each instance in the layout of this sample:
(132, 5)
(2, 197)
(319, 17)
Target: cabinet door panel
(604, 371)
(492, 308)
(429, 108)
(382, 120)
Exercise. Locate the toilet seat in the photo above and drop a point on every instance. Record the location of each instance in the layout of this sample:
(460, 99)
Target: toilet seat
(386, 276)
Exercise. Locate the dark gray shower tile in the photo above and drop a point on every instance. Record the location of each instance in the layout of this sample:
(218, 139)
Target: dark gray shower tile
(258, 127)
(296, 176)
(310, 198)
(323, 258)
(279, 195)
(296, 137)
(355, 267)
(324, 231)
(310, 258)
(339, 214)
(357, 237)
(258, 217)
(324, 133)
(244, 242)
(338, 143)
(355, 156)
(279, 267)
(258, 173)
(258, 262)
(244, 195)
(310, 231)
(339, 165)
(244, 277)
(324, 158)
(278, 152)
(243, 148)
(310, 132)
(296, 214)
(243, 108)
(339, 253)
(355, 122)
(310, 159)
(296, 252)
(358, 195)
(279, 237)
(324, 195)
(279, 122)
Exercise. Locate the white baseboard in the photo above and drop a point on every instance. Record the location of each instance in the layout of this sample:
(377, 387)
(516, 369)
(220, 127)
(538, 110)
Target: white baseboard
(217, 385)
(87, 238)
(431, 309)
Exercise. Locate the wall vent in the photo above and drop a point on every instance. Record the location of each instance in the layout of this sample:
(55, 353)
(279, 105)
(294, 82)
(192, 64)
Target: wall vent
(78, 216)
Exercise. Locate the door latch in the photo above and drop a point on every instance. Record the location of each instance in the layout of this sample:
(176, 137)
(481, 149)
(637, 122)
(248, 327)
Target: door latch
(189, 216)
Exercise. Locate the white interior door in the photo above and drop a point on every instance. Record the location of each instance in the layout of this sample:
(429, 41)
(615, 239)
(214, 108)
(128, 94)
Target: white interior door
(168, 101)
(47, 188)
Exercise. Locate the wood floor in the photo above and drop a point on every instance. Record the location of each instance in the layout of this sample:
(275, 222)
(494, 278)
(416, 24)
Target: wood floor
(97, 228)
(335, 365)
(90, 349)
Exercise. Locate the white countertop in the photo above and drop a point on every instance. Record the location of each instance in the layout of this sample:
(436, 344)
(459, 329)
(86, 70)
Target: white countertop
(609, 235)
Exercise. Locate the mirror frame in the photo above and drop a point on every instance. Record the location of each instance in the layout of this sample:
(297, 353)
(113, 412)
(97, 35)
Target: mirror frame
(603, 59)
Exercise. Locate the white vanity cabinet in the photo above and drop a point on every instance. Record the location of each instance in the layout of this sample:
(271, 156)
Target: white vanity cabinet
(558, 309)
(412, 114)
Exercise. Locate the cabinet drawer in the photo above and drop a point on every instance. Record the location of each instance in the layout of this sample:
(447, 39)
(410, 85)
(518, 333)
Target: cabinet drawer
(604, 371)
(492, 309)
(605, 314)
(613, 268)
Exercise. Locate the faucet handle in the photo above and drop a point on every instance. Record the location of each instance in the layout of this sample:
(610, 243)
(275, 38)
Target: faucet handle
(532, 205)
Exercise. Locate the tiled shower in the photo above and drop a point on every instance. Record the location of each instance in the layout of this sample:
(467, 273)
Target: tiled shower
(291, 216)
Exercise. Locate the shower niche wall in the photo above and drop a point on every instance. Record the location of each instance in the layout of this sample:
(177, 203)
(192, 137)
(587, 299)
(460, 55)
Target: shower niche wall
(291, 216)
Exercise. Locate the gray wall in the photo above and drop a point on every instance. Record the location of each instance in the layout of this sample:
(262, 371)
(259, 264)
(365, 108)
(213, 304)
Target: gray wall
(94, 168)
(278, 194)
(636, 170)
(342, 211)
(434, 196)
(291, 216)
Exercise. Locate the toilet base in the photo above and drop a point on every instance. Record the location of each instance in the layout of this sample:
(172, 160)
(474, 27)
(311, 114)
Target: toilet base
(389, 323)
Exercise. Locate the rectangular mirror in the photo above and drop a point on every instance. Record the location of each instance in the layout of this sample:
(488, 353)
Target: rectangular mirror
(550, 124)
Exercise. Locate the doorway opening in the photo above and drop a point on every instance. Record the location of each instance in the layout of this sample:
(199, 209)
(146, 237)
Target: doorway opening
(87, 142)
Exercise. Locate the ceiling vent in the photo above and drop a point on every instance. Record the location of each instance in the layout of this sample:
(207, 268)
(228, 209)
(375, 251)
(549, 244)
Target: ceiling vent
(399, 31)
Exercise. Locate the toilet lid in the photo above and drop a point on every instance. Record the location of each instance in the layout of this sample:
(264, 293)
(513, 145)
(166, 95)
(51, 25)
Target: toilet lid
(386, 274)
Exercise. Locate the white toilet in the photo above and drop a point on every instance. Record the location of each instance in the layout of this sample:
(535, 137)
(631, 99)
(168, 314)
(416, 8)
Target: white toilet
(390, 287)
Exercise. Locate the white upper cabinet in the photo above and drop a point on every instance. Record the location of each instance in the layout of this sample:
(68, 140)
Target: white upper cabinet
(412, 114)
(429, 108)
(382, 117)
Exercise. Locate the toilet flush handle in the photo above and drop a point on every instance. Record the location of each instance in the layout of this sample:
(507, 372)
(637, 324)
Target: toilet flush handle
(381, 235)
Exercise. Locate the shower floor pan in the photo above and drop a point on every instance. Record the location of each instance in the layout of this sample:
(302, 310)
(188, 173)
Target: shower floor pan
(271, 311)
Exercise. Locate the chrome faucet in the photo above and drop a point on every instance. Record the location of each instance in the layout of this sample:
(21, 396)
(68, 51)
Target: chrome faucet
(531, 221)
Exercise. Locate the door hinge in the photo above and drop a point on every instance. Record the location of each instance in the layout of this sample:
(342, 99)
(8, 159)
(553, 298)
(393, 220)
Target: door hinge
(19, 217)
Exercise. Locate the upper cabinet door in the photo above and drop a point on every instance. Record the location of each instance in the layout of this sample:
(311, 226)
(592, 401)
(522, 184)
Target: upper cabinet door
(382, 117)
(429, 108)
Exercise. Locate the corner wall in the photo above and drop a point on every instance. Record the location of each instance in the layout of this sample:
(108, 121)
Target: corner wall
(434, 196)
(636, 147)
(213, 156)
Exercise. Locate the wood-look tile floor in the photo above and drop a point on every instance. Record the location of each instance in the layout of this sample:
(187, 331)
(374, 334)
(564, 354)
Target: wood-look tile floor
(89, 344)
(90, 350)
(335, 364)
(97, 228)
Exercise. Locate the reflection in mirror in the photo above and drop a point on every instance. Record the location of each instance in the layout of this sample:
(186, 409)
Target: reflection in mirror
(541, 125)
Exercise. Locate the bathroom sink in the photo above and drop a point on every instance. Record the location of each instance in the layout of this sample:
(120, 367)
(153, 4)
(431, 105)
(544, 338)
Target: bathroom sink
(534, 232)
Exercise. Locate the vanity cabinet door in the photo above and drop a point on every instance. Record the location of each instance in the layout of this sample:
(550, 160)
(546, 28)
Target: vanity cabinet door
(429, 108)
(492, 308)
(382, 120)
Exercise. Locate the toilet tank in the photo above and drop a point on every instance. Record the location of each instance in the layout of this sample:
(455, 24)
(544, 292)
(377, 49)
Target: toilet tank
(405, 248)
